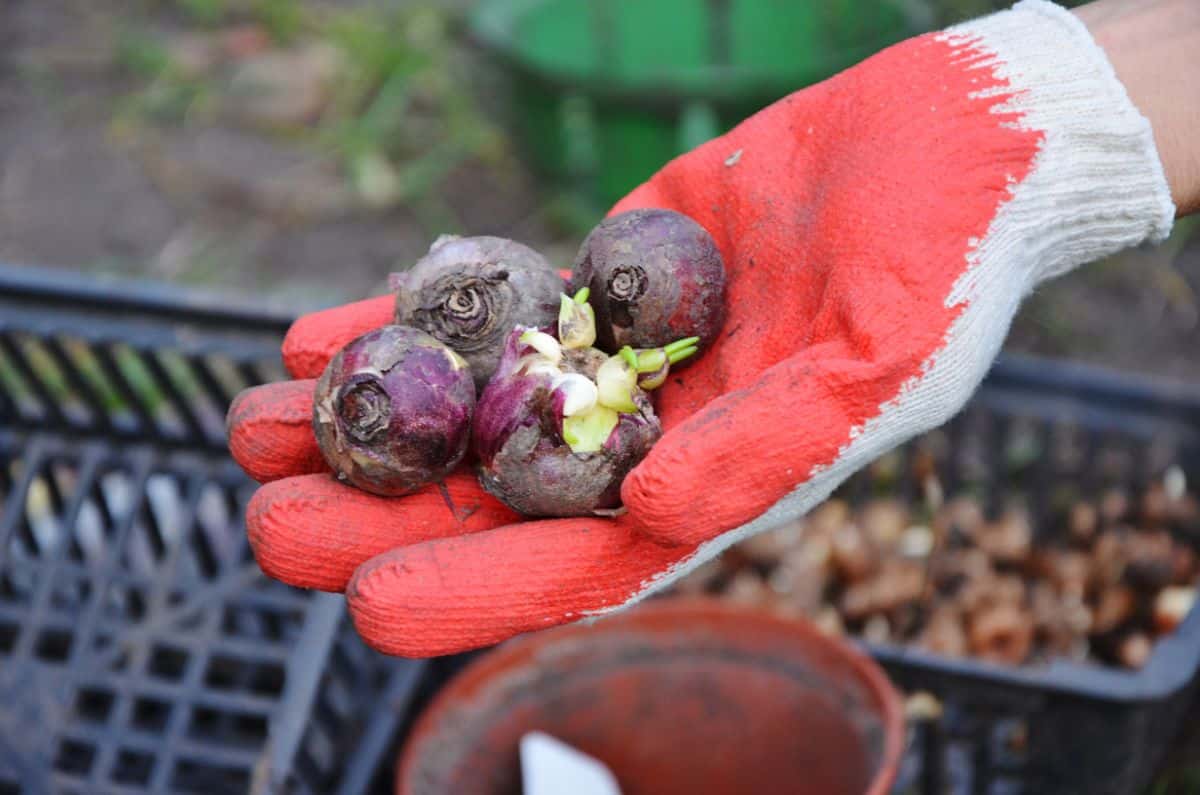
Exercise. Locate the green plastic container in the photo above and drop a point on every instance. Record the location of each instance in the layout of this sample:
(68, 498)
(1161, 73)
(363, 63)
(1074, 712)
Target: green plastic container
(605, 92)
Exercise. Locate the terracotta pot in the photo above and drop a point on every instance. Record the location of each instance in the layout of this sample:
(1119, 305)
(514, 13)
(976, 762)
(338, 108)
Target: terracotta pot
(676, 696)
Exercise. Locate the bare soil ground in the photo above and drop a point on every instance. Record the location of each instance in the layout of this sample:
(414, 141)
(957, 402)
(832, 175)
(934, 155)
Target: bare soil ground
(229, 208)
(213, 204)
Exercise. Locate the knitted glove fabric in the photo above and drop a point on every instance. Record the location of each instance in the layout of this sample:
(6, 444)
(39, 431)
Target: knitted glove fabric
(879, 229)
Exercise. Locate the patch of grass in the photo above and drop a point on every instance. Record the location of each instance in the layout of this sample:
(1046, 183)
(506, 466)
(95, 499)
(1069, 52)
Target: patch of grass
(207, 12)
(53, 382)
(46, 371)
(283, 19)
(93, 376)
(11, 383)
(141, 54)
(131, 370)
(168, 95)
(165, 101)
(403, 117)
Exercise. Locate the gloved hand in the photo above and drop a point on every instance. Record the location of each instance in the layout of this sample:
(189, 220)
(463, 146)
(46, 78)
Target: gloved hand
(879, 229)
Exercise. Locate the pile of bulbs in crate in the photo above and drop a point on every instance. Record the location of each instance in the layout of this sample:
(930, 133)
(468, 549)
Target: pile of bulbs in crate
(948, 577)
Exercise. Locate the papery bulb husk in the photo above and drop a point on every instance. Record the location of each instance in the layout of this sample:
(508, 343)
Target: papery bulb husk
(470, 292)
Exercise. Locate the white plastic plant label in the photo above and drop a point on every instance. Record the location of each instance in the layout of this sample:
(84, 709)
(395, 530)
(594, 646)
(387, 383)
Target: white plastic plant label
(551, 767)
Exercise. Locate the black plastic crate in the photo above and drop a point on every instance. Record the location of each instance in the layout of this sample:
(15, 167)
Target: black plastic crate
(141, 649)
(1047, 432)
(1033, 429)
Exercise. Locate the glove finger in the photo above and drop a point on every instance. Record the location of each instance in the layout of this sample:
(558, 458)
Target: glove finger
(727, 464)
(311, 531)
(467, 592)
(270, 431)
(314, 338)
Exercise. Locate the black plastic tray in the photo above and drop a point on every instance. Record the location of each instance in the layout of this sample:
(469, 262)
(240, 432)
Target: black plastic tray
(142, 651)
(1036, 428)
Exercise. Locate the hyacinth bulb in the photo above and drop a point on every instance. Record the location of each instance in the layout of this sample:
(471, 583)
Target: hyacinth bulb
(562, 423)
(392, 411)
(470, 292)
(655, 276)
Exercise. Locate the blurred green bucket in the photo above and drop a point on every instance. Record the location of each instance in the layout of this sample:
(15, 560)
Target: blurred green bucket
(605, 92)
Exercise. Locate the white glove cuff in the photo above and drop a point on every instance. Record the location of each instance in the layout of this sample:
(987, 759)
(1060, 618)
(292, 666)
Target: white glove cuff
(1097, 185)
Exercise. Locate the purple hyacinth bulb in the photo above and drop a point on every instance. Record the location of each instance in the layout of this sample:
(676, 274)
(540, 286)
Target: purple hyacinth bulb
(655, 276)
(547, 443)
(392, 411)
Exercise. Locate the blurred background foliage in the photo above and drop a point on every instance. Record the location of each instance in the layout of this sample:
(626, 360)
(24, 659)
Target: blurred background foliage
(405, 94)
(299, 150)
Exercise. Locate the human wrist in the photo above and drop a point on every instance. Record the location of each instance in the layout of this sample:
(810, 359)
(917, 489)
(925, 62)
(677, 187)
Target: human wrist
(1151, 45)
(1097, 185)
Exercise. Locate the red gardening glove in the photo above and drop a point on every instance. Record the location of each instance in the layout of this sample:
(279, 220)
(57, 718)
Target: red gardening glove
(879, 231)
(420, 576)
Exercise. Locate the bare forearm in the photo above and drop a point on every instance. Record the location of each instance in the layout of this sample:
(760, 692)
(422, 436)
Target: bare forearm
(1154, 46)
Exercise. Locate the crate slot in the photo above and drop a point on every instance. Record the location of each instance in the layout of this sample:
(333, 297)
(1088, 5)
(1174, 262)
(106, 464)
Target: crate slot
(9, 633)
(151, 385)
(15, 590)
(216, 378)
(251, 374)
(16, 536)
(149, 714)
(124, 605)
(321, 752)
(193, 776)
(93, 705)
(167, 663)
(83, 386)
(53, 645)
(218, 531)
(162, 515)
(226, 727)
(94, 530)
(12, 390)
(266, 680)
(75, 757)
(132, 767)
(129, 402)
(207, 564)
(7, 463)
(308, 770)
(173, 401)
(40, 379)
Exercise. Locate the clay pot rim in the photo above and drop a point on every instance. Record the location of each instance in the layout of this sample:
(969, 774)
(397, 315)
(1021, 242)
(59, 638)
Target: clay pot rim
(524, 650)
